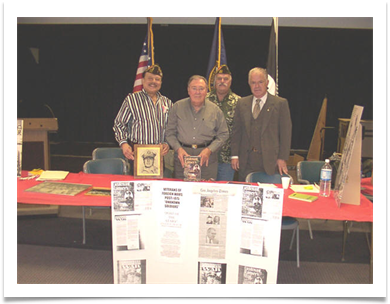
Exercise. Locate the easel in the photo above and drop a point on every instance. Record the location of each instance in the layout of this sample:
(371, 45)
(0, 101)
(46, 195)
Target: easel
(317, 142)
(316, 149)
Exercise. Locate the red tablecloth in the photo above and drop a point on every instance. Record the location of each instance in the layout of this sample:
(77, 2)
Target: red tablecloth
(96, 180)
(323, 208)
(326, 208)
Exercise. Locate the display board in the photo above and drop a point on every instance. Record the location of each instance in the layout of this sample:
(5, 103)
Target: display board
(348, 179)
(166, 232)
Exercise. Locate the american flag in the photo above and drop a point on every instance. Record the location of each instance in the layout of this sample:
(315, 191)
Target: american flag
(146, 59)
(143, 63)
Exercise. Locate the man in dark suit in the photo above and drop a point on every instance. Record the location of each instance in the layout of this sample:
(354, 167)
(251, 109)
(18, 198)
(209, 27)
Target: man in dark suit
(261, 136)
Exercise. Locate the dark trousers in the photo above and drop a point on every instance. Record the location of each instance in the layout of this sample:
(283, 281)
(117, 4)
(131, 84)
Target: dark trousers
(254, 163)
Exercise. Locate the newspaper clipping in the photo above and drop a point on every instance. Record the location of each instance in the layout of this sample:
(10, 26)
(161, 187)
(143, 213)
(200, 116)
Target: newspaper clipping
(143, 196)
(131, 271)
(212, 224)
(128, 236)
(122, 195)
(259, 205)
(211, 273)
(171, 237)
(251, 275)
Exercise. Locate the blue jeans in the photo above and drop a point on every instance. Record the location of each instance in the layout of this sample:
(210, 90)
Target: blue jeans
(225, 172)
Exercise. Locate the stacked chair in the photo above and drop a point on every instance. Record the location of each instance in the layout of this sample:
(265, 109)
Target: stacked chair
(104, 161)
(308, 172)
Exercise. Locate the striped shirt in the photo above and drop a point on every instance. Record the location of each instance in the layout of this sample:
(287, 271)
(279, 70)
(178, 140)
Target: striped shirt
(140, 120)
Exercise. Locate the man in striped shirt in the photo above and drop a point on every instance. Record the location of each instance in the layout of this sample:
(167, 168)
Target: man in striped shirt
(143, 115)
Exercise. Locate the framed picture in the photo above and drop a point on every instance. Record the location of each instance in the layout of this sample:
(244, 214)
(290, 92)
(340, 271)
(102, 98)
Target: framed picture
(99, 191)
(148, 161)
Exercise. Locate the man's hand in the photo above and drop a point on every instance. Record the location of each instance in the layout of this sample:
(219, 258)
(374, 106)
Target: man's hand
(282, 166)
(204, 156)
(235, 164)
(127, 151)
(180, 154)
(165, 149)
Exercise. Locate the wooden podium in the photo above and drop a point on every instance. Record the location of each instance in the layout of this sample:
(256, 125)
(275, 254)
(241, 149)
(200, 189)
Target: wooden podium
(36, 148)
(36, 154)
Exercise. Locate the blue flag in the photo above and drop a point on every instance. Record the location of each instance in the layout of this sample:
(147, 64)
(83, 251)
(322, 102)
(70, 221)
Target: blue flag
(217, 53)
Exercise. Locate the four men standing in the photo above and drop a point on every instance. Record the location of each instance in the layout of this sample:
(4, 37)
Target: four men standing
(248, 134)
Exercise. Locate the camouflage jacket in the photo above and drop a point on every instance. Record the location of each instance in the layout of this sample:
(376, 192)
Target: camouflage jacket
(228, 106)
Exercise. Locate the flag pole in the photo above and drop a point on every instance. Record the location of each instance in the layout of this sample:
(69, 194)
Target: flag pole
(150, 40)
(217, 53)
(277, 51)
(146, 59)
(219, 43)
(272, 60)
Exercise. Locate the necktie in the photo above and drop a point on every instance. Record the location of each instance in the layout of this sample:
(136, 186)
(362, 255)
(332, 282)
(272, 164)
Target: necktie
(256, 109)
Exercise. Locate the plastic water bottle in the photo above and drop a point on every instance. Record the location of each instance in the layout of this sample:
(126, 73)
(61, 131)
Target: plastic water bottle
(325, 179)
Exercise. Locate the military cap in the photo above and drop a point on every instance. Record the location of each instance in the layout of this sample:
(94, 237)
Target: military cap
(154, 69)
(149, 154)
(223, 69)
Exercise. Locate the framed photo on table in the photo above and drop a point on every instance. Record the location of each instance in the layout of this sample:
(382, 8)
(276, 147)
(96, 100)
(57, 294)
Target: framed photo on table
(99, 191)
(148, 161)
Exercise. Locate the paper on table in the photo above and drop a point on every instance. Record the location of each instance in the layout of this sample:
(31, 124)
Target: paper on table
(52, 175)
(305, 188)
(267, 185)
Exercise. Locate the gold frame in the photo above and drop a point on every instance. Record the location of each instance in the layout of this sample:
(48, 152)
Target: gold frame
(99, 191)
(158, 166)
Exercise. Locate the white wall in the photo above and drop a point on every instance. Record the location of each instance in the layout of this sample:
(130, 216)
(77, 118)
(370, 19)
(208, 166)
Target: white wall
(329, 22)
(298, 14)
(337, 22)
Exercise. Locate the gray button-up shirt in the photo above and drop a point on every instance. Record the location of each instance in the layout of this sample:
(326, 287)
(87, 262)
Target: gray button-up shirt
(189, 127)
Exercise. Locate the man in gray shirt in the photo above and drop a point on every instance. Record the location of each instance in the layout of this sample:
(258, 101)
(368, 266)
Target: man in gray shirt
(196, 127)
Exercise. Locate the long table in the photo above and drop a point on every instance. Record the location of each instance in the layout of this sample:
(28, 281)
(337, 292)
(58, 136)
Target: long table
(323, 208)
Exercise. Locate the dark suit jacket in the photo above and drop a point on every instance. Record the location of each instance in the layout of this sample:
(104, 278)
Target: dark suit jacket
(276, 129)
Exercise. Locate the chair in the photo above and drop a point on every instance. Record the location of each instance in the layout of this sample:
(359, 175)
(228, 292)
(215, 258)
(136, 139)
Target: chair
(106, 166)
(113, 152)
(103, 166)
(308, 172)
(288, 223)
